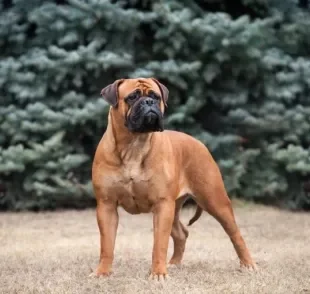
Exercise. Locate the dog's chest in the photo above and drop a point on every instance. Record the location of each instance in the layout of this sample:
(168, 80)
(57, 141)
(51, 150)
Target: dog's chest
(131, 187)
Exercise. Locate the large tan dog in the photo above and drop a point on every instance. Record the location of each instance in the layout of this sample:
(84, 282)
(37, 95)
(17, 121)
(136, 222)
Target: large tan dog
(142, 168)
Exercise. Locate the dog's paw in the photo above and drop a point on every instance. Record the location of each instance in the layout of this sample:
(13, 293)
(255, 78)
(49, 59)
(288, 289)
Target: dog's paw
(173, 265)
(158, 277)
(99, 273)
(158, 274)
(248, 267)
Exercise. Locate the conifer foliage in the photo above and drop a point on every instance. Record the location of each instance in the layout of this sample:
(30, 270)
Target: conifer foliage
(238, 77)
(55, 58)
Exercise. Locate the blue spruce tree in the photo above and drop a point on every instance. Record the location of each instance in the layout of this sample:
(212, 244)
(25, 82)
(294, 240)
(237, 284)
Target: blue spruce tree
(54, 61)
(238, 75)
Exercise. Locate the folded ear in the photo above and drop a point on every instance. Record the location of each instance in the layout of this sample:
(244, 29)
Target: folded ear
(110, 93)
(163, 89)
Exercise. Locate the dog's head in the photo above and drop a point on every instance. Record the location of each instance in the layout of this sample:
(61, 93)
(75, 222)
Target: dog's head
(140, 102)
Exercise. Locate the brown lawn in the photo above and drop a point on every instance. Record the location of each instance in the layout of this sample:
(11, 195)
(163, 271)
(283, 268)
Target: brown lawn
(54, 252)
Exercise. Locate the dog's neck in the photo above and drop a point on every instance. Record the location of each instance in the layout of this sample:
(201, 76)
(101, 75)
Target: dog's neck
(128, 146)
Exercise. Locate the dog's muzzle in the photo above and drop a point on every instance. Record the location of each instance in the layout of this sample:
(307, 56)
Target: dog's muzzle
(145, 116)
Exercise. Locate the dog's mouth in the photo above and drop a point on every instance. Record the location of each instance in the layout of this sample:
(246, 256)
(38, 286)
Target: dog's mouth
(151, 114)
(144, 118)
(151, 118)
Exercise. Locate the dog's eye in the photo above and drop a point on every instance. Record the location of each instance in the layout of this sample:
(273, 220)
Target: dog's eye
(132, 97)
(153, 95)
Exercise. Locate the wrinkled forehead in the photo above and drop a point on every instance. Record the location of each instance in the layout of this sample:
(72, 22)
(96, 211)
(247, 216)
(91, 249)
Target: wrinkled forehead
(131, 85)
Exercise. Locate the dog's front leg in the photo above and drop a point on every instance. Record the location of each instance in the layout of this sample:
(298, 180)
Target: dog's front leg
(162, 223)
(107, 219)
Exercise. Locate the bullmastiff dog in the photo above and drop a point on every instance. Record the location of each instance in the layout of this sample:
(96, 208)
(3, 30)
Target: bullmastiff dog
(143, 168)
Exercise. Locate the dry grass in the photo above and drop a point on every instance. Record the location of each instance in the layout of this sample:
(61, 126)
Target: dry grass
(54, 253)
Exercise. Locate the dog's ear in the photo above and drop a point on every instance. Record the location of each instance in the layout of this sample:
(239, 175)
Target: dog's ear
(164, 91)
(110, 93)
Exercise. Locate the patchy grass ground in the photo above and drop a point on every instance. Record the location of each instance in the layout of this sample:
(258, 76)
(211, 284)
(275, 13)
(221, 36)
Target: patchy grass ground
(54, 253)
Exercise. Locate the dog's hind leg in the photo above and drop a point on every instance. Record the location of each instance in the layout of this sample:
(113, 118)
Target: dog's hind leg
(179, 234)
(211, 196)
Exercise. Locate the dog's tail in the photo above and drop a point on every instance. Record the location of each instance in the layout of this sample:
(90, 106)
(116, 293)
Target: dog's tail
(196, 215)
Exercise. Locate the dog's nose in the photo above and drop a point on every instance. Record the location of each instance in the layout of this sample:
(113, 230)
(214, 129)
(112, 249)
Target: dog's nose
(149, 101)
